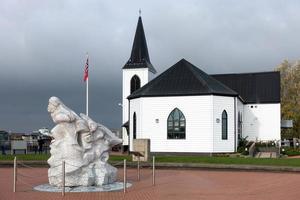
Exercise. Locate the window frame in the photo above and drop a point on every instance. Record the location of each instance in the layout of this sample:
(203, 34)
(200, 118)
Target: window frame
(134, 126)
(135, 83)
(224, 125)
(176, 125)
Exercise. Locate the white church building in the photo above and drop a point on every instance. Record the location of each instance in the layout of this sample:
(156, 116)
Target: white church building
(185, 110)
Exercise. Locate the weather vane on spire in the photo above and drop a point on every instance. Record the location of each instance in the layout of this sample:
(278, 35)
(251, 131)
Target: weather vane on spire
(140, 12)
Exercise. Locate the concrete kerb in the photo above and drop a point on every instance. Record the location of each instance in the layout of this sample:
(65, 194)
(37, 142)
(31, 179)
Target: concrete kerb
(179, 166)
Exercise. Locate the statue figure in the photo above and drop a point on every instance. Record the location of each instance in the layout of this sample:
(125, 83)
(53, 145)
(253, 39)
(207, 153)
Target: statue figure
(84, 146)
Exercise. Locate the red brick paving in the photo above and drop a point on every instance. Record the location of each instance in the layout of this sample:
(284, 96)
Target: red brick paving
(170, 184)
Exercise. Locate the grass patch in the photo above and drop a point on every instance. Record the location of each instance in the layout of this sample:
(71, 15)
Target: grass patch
(47, 156)
(230, 160)
(120, 158)
(291, 151)
(184, 159)
(26, 157)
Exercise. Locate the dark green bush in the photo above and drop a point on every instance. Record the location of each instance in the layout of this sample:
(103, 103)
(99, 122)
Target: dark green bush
(244, 146)
(290, 151)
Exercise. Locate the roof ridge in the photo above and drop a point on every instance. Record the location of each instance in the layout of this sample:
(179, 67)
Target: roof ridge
(183, 78)
(193, 70)
(244, 73)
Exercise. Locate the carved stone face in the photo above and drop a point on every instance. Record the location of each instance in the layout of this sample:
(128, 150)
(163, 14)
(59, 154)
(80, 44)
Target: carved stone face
(53, 104)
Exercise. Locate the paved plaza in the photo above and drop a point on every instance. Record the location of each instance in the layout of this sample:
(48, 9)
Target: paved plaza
(170, 184)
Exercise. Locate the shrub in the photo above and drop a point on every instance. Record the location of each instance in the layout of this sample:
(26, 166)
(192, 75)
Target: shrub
(243, 146)
(290, 151)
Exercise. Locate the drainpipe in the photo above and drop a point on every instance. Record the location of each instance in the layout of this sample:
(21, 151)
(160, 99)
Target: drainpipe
(128, 127)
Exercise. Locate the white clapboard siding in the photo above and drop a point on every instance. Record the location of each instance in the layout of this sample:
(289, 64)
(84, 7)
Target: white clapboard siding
(262, 121)
(221, 103)
(240, 109)
(152, 114)
(143, 74)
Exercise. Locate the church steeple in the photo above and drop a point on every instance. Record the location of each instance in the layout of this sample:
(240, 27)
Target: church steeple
(139, 57)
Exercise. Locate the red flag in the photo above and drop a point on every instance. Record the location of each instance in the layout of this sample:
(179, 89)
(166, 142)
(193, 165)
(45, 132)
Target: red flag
(86, 70)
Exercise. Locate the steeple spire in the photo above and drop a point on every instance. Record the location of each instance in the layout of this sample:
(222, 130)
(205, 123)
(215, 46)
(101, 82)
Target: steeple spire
(139, 57)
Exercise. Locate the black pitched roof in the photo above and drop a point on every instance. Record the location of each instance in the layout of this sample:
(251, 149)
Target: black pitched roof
(139, 57)
(183, 79)
(261, 87)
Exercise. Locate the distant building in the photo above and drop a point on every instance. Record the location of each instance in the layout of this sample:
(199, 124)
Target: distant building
(16, 136)
(4, 135)
(186, 110)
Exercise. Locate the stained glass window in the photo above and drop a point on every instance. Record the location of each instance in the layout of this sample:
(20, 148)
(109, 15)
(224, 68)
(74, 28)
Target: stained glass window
(176, 125)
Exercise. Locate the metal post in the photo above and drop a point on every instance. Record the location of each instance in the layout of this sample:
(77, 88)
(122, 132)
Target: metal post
(124, 178)
(63, 178)
(15, 174)
(153, 171)
(138, 168)
(279, 146)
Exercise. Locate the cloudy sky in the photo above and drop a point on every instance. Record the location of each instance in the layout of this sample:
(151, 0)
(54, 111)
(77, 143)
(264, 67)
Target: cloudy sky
(43, 47)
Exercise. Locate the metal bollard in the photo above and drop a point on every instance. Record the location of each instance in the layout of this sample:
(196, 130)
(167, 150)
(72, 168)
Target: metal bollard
(63, 179)
(153, 170)
(125, 177)
(138, 169)
(15, 174)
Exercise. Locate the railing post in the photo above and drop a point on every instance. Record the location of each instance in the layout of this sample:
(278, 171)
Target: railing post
(279, 145)
(63, 178)
(125, 177)
(153, 170)
(15, 174)
(138, 168)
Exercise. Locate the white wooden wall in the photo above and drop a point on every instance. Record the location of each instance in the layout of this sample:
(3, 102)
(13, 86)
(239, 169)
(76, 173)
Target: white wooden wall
(223, 103)
(262, 121)
(203, 133)
(143, 74)
(200, 123)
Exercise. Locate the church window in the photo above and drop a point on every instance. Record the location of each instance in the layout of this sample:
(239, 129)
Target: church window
(224, 125)
(176, 125)
(240, 126)
(134, 125)
(135, 83)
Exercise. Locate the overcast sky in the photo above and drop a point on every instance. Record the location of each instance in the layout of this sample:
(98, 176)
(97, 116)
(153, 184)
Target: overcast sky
(43, 46)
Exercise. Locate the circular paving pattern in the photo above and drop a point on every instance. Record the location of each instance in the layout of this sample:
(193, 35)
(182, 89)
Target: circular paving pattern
(105, 188)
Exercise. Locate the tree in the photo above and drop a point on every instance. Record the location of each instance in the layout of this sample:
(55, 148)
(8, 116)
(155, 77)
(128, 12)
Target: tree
(290, 96)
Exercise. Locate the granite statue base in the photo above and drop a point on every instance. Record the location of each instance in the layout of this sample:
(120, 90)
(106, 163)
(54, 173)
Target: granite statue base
(104, 188)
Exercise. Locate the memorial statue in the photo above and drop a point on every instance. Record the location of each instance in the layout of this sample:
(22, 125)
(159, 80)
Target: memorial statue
(84, 146)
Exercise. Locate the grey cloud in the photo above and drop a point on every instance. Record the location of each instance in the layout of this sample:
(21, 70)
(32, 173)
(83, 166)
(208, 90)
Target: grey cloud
(43, 46)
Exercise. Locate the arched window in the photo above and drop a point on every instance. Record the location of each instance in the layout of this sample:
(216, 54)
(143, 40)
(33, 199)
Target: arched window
(240, 127)
(176, 125)
(135, 83)
(224, 125)
(134, 125)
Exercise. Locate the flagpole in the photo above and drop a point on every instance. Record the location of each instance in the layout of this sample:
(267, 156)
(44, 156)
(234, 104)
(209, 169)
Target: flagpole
(87, 97)
(87, 91)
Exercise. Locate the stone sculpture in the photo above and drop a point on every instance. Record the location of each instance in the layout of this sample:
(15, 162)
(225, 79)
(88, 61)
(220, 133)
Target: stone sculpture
(84, 146)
